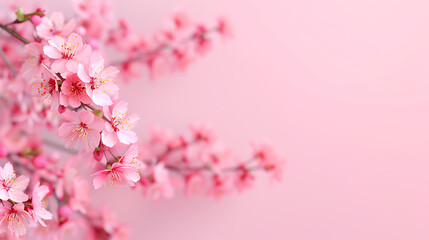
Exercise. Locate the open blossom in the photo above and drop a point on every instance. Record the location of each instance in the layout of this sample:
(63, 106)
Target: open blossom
(12, 187)
(54, 25)
(14, 218)
(118, 174)
(45, 88)
(68, 52)
(131, 158)
(33, 65)
(83, 128)
(73, 92)
(39, 212)
(268, 159)
(100, 83)
(119, 129)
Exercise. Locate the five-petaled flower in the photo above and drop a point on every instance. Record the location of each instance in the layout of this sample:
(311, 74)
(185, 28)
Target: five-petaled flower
(12, 187)
(83, 127)
(68, 52)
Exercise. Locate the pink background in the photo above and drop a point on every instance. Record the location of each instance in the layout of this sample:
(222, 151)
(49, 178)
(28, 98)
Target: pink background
(341, 89)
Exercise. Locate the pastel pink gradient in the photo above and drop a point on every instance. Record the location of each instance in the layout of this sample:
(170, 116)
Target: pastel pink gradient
(340, 88)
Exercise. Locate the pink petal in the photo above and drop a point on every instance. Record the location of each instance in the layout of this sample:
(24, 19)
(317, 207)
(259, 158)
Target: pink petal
(21, 183)
(120, 109)
(17, 195)
(59, 66)
(100, 179)
(72, 65)
(71, 116)
(127, 137)
(82, 74)
(86, 117)
(100, 98)
(109, 139)
(52, 52)
(4, 195)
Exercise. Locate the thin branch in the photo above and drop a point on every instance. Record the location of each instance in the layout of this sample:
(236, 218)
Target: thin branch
(59, 146)
(164, 46)
(8, 63)
(14, 33)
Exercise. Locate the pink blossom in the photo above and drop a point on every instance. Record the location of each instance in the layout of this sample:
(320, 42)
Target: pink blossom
(54, 25)
(194, 184)
(68, 53)
(221, 185)
(131, 158)
(73, 92)
(45, 88)
(268, 159)
(83, 128)
(119, 129)
(12, 187)
(225, 28)
(14, 218)
(117, 174)
(39, 212)
(100, 83)
(33, 65)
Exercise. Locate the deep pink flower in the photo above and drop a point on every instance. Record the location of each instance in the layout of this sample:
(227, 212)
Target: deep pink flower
(12, 187)
(100, 84)
(39, 212)
(119, 129)
(83, 128)
(73, 92)
(68, 52)
(118, 174)
(14, 218)
(54, 25)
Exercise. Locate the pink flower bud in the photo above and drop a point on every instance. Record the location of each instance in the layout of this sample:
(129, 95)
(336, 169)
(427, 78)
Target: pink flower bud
(36, 20)
(98, 155)
(3, 152)
(39, 161)
(61, 109)
(65, 211)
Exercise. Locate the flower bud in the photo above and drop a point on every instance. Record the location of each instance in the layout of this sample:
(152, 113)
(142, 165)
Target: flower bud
(98, 155)
(61, 109)
(39, 161)
(36, 20)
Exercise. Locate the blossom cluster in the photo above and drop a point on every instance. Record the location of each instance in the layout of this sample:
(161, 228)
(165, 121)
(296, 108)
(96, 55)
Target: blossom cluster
(56, 76)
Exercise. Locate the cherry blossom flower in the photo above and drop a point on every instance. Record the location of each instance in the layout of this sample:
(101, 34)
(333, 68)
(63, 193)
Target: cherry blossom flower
(131, 158)
(12, 187)
(83, 128)
(68, 52)
(268, 159)
(73, 92)
(117, 174)
(54, 25)
(45, 88)
(39, 212)
(119, 129)
(100, 83)
(33, 65)
(14, 218)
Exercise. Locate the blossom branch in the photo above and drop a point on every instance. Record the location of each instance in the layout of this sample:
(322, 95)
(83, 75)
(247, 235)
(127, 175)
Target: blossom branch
(14, 33)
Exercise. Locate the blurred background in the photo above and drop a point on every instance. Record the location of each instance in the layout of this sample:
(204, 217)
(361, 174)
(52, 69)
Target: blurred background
(339, 87)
